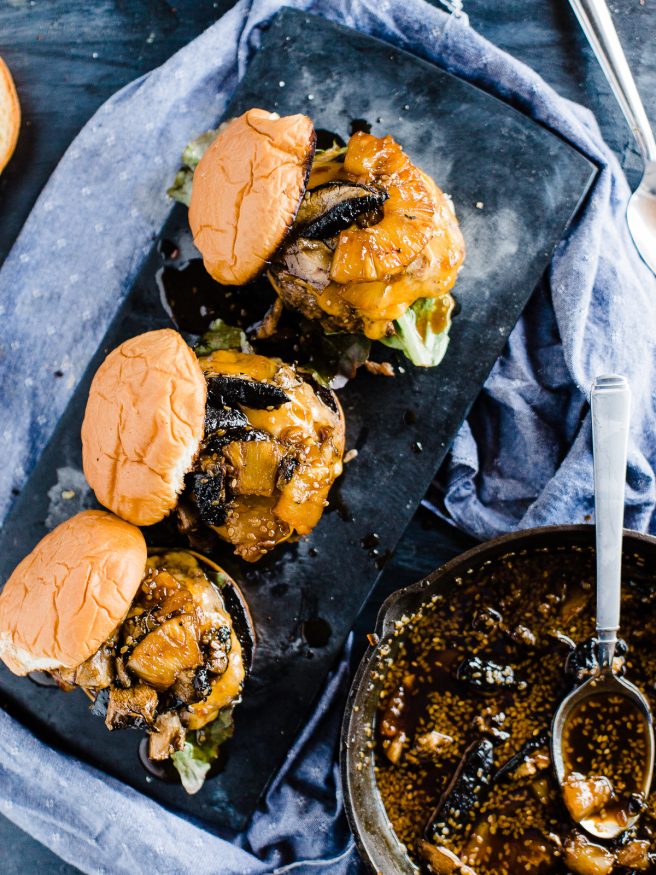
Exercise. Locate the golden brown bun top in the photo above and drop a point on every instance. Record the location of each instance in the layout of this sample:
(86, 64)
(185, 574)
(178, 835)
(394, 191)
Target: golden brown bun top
(70, 593)
(246, 192)
(143, 425)
(10, 115)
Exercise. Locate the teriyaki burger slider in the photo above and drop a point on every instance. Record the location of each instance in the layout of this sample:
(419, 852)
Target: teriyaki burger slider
(160, 642)
(356, 236)
(231, 440)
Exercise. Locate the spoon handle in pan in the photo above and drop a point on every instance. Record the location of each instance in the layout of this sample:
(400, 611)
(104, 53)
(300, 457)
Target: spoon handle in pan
(610, 401)
(597, 23)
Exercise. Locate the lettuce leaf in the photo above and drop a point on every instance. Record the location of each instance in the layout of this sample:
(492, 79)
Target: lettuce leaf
(220, 335)
(193, 152)
(202, 747)
(414, 336)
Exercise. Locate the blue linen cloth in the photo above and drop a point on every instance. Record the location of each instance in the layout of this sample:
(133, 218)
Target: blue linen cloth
(523, 457)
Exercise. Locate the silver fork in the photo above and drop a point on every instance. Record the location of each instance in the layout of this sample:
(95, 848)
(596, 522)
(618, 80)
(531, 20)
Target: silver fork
(595, 19)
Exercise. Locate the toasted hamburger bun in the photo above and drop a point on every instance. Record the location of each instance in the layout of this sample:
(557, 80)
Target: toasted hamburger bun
(70, 593)
(143, 425)
(246, 192)
(10, 115)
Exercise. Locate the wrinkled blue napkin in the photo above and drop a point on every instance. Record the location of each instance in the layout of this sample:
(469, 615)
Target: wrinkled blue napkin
(523, 458)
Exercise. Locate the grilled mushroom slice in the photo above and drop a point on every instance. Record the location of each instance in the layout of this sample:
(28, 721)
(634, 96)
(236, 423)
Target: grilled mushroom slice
(223, 417)
(526, 751)
(465, 792)
(222, 437)
(258, 395)
(330, 208)
(208, 491)
(96, 673)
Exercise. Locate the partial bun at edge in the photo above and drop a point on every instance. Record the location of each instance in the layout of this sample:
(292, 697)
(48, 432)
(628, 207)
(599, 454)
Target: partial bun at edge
(246, 192)
(10, 115)
(143, 425)
(70, 593)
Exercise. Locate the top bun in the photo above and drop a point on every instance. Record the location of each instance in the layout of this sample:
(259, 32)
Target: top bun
(70, 593)
(143, 425)
(246, 192)
(10, 115)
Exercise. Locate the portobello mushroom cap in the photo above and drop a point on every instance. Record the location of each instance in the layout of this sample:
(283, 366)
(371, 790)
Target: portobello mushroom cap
(330, 208)
(230, 391)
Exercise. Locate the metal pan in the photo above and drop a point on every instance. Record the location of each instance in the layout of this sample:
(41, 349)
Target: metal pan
(377, 843)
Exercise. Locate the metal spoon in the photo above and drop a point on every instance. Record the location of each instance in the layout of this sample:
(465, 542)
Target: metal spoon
(596, 21)
(610, 402)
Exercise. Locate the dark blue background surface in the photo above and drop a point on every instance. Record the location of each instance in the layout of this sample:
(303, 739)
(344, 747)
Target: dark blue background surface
(68, 57)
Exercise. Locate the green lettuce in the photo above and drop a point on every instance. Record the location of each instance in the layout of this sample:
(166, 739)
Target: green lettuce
(194, 151)
(201, 748)
(414, 336)
(220, 335)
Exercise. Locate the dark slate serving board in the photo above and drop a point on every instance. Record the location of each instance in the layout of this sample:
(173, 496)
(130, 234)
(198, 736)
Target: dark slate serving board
(529, 183)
